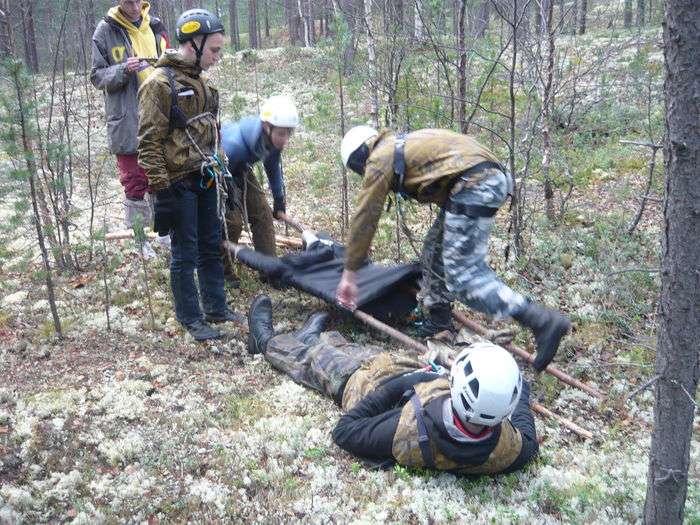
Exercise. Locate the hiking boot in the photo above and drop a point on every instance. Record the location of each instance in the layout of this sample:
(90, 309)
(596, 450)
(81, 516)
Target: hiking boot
(226, 316)
(201, 331)
(439, 319)
(260, 329)
(548, 327)
(314, 325)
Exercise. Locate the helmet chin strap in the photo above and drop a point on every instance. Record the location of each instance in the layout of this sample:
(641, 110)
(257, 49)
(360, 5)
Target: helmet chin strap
(199, 50)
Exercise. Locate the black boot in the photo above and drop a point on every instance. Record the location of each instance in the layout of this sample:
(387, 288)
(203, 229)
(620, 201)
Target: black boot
(260, 329)
(201, 331)
(314, 325)
(549, 327)
(439, 319)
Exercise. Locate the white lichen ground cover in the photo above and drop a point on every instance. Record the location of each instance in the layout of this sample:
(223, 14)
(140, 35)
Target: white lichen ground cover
(143, 425)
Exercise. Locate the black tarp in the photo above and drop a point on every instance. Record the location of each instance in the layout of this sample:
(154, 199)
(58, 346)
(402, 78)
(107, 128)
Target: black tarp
(385, 292)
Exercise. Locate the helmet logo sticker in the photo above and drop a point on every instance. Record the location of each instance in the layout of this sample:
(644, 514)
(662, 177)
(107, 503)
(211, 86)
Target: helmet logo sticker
(190, 27)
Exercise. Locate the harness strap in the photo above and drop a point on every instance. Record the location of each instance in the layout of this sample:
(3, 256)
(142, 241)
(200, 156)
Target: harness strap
(399, 163)
(177, 118)
(473, 210)
(423, 439)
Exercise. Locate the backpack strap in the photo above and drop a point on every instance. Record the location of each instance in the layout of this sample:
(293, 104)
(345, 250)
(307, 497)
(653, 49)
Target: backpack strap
(177, 118)
(399, 163)
(423, 439)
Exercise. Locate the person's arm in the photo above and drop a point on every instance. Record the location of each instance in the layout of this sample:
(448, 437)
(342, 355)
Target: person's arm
(103, 75)
(523, 420)
(273, 169)
(154, 124)
(368, 429)
(379, 175)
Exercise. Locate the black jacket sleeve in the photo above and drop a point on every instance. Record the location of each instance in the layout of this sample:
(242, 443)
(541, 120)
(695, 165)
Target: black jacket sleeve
(368, 429)
(523, 420)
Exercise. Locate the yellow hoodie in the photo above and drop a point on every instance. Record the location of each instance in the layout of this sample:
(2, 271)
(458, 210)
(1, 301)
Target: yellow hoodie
(142, 38)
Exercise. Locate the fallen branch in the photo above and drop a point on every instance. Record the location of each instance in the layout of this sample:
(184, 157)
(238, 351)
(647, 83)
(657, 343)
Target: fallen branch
(530, 358)
(544, 411)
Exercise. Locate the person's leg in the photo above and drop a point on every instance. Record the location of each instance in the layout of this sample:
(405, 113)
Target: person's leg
(233, 229)
(135, 183)
(259, 216)
(475, 284)
(324, 366)
(434, 298)
(209, 269)
(468, 276)
(184, 258)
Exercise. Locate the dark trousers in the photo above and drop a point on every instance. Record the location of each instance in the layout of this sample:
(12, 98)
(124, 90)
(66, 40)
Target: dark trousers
(196, 243)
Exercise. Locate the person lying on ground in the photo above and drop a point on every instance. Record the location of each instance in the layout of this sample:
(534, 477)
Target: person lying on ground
(474, 419)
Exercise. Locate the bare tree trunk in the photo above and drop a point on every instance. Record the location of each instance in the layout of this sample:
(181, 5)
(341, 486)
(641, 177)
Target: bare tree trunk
(305, 22)
(30, 53)
(627, 16)
(462, 68)
(516, 219)
(234, 29)
(30, 162)
(253, 24)
(290, 7)
(189, 4)
(548, 41)
(418, 29)
(267, 19)
(372, 63)
(677, 357)
(640, 13)
(583, 13)
(6, 46)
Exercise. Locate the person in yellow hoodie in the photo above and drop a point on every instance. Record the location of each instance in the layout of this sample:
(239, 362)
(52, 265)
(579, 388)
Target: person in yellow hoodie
(122, 45)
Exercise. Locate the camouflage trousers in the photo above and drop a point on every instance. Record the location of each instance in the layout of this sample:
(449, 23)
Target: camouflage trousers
(248, 191)
(326, 365)
(454, 255)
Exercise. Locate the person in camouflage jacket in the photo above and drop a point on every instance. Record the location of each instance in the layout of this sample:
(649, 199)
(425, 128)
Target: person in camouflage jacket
(180, 151)
(464, 178)
(399, 410)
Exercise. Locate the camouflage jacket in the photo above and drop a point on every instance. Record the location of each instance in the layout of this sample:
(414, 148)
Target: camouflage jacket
(168, 155)
(434, 157)
(381, 422)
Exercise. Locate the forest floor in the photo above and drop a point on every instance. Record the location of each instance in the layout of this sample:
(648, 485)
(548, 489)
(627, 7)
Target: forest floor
(128, 422)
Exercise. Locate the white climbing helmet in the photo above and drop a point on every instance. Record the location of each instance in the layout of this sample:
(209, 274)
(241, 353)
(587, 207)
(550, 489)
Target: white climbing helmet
(280, 111)
(485, 384)
(353, 139)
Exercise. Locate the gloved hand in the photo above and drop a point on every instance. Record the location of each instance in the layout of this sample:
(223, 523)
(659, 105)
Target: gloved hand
(164, 211)
(277, 206)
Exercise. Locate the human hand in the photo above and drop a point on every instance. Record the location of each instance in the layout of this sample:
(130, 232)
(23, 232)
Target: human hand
(133, 64)
(346, 294)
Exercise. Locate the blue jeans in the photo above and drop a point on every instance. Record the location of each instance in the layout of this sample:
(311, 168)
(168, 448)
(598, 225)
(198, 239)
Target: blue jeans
(196, 243)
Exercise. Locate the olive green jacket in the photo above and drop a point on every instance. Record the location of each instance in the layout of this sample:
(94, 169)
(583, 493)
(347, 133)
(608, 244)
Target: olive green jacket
(434, 157)
(168, 155)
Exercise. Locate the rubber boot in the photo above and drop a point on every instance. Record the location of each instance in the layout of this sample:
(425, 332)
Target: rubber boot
(201, 331)
(548, 327)
(314, 325)
(439, 319)
(260, 329)
(137, 211)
